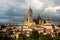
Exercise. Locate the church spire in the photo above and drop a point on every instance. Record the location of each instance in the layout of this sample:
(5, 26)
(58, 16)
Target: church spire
(39, 17)
(48, 19)
(30, 10)
(30, 15)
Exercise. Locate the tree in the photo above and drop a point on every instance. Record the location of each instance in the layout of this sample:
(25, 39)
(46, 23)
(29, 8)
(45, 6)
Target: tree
(45, 37)
(3, 26)
(34, 35)
(22, 37)
(57, 37)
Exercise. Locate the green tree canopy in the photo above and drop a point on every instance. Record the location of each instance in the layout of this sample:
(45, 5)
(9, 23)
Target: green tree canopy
(34, 35)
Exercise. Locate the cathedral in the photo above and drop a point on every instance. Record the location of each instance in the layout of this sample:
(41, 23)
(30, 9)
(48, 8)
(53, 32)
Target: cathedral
(31, 21)
(44, 25)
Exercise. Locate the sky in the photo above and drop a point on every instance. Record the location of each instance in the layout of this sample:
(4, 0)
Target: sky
(15, 11)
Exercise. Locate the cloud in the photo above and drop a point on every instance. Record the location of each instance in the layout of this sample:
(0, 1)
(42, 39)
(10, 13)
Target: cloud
(25, 4)
(36, 4)
(52, 9)
(57, 2)
(17, 10)
(4, 20)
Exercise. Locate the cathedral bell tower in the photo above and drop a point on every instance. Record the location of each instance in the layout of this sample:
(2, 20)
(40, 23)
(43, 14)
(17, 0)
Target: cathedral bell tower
(30, 20)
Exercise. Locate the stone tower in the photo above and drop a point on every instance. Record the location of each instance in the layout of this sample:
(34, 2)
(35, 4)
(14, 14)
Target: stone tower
(30, 19)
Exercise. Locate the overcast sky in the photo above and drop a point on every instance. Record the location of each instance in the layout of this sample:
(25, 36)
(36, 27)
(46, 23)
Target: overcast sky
(15, 11)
